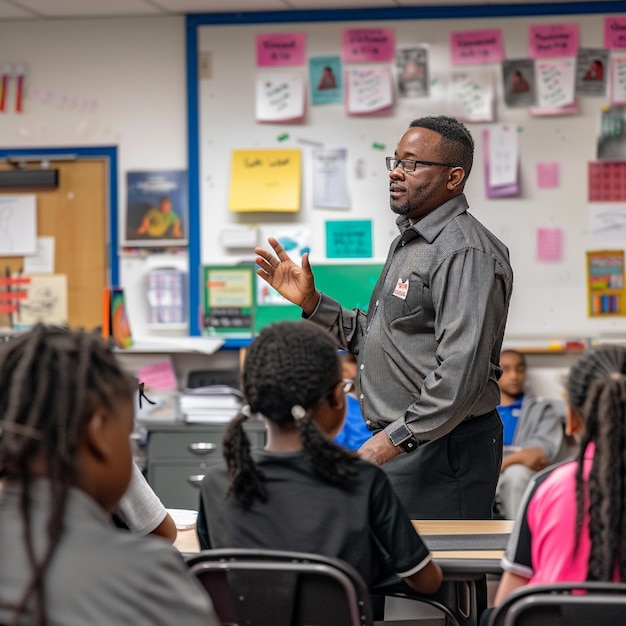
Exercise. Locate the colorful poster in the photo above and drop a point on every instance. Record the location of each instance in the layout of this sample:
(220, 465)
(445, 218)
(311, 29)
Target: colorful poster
(555, 82)
(280, 98)
(518, 77)
(370, 90)
(280, 49)
(228, 299)
(156, 208)
(366, 45)
(326, 79)
(265, 180)
(606, 295)
(552, 40)
(412, 72)
(615, 32)
(120, 324)
(349, 239)
(591, 71)
(476, 46)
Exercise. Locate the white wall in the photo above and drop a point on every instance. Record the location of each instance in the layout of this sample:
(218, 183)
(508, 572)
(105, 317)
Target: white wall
(102, 82)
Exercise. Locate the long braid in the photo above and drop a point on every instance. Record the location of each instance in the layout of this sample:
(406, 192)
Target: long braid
(246, 479)
(289, 365)
(51, 381)
(597, 389)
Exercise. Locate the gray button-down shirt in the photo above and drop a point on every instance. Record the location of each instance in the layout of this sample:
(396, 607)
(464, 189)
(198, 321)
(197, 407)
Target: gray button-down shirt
(429, 347)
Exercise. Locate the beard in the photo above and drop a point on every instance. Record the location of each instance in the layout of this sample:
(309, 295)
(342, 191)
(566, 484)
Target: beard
(400, 209)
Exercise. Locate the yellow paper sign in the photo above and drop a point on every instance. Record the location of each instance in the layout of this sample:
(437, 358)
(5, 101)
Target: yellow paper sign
(265, 180)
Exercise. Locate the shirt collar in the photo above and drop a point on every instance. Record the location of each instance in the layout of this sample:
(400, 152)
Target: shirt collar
(432, 224)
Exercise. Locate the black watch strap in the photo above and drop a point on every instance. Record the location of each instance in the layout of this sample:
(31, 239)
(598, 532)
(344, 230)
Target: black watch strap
(401, 436)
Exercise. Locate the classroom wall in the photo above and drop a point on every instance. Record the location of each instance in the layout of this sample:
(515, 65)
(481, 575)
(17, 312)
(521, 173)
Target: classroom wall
(102, 82)
(549, 300)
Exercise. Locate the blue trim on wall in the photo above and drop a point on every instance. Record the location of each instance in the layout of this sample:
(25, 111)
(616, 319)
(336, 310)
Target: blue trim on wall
(406, 13)
(194, 21)
(108, 152)
(193, 160)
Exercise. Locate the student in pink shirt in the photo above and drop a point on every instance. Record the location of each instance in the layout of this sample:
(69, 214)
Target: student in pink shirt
(574, 518)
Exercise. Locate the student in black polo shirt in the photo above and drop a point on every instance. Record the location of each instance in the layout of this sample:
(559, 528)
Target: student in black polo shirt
(303, 492)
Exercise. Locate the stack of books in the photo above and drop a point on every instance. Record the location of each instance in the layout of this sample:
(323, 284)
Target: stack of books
(211, 404)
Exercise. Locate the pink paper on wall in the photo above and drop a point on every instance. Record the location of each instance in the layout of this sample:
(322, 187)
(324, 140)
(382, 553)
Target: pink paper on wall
(552, 40)
(548, 175)
(476, 46)
(549, 244)
(615, 33)
(280, 49)
(364, 45)
(159, 375)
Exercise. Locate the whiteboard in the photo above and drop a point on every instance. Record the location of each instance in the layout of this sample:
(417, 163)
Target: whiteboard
(549, 299)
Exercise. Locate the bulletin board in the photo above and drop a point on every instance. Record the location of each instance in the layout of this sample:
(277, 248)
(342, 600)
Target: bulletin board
(550, 293)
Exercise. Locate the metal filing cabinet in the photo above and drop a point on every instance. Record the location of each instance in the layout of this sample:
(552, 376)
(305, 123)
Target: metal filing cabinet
(178, 455)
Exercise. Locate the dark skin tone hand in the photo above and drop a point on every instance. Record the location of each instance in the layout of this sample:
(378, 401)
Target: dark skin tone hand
(297, 284)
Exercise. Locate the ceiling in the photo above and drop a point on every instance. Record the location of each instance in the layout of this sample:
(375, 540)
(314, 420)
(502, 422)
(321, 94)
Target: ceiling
(63, 9)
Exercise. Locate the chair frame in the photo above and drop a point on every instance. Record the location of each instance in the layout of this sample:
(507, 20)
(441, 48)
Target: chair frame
(558, 594)
(256, 560)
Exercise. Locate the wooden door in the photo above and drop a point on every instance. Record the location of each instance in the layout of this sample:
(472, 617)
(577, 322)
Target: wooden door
(75, 214)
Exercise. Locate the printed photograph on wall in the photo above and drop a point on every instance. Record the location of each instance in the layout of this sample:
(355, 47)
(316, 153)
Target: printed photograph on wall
(412, 72)
(156, 209)
(518, 78)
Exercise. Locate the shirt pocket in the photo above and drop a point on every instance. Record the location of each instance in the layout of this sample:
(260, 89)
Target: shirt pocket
(401, 310)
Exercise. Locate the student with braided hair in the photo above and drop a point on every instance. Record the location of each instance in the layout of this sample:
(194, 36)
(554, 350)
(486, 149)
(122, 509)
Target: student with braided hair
(303, 492)
(66, 414)
(573, 524)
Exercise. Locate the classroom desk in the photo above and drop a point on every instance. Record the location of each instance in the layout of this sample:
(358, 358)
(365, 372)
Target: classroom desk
(462, 568)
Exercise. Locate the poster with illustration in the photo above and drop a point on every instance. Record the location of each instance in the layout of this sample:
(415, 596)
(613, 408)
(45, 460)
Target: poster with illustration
(591, 71)
(156, 208)
(326, 79)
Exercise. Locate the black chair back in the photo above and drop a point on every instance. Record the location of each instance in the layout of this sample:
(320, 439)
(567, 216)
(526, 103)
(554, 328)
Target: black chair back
(278, 588)
(564, 604)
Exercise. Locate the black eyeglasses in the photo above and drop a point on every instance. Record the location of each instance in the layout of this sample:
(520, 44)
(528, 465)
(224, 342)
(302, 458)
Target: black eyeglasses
(410, 165)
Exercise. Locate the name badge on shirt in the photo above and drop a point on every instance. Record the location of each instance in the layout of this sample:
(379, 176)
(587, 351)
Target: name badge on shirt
(401, 289)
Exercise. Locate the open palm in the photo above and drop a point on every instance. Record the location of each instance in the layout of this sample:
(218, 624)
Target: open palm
(293, 282)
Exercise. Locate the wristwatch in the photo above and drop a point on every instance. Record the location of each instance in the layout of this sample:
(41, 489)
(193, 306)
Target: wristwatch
(401, 436)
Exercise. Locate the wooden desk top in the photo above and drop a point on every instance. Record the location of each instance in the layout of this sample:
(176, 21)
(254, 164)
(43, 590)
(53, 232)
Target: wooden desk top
(187, 540)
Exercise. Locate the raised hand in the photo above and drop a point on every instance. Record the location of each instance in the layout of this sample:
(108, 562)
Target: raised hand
(293, 282)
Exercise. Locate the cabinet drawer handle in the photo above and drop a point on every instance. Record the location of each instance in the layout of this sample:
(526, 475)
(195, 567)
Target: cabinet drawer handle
(201, 447)
(196, 479)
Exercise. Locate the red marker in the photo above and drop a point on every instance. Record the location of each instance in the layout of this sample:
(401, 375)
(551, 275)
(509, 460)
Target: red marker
(6, 74)
(19, 74)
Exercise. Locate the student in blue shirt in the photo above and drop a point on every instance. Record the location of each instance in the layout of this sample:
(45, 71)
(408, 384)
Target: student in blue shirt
(355, 431)
(533, 432)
